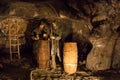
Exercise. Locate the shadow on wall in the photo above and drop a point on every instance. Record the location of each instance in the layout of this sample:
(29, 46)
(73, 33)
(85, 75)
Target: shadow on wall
(83, 44)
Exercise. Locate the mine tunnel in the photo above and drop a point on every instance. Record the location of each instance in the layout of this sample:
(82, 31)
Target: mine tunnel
(59, 40)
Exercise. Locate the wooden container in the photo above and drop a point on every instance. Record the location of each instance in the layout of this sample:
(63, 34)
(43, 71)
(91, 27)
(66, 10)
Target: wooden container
(43, 56)
(70, 57)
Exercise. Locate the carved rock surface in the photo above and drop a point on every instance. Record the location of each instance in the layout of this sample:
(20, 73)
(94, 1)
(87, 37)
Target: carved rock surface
(116, 55)
(100, 56)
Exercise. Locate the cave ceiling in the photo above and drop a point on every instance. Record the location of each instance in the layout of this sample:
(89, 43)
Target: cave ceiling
(94, 10)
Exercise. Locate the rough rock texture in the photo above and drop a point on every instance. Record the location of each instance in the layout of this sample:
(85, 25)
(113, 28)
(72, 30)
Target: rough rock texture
(13, 22)
(10, 24)
(100, 56)
(116, 55)
(100, 12)
(81, 17)
(23, 9)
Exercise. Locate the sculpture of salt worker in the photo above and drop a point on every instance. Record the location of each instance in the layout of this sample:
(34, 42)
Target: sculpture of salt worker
(55, 51)
(41, 45)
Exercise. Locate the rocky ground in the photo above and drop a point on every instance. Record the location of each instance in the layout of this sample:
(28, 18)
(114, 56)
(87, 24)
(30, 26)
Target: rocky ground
(15, 70)
(27, 70)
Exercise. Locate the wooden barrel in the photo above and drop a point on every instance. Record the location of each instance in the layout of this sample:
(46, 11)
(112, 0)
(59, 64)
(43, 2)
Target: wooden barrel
(43, 55)
(70, 57)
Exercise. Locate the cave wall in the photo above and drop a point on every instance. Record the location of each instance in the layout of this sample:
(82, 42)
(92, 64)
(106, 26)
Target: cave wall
(82, 18)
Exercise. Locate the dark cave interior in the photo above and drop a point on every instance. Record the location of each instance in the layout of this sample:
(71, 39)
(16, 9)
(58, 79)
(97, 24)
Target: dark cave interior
(92, 24)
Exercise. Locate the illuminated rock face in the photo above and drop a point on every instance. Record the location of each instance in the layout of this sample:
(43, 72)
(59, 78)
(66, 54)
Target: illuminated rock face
(10, 24)
(101, 54)
(80, 18)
